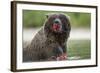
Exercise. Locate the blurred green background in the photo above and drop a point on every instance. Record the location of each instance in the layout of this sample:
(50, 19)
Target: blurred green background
(34, 18)
(77, 48)
(81, 49)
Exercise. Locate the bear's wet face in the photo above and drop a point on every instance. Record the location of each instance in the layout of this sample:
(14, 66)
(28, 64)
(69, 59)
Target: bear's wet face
(57, 23)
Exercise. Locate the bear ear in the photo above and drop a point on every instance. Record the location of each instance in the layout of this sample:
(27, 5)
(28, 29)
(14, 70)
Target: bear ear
(68, 17)
(47, 15)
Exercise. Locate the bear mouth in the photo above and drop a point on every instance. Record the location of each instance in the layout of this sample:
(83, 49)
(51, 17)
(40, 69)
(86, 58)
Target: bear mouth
(56, 27)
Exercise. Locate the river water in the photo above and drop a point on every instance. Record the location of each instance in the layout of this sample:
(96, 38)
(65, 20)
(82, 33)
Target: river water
(75, 34)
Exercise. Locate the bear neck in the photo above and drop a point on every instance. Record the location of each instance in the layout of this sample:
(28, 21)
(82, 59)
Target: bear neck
(57, 37)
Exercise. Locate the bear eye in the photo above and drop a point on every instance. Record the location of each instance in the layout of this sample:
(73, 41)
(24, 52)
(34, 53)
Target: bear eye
(51, 18)
(62, 19)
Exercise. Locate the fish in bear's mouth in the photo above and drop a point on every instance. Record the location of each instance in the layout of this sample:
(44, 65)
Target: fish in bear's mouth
(59, 58)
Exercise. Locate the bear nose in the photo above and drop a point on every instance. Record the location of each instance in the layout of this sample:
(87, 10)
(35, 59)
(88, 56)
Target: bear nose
(57, 21)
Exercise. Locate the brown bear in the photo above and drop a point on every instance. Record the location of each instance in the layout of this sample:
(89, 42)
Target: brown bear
(49, 44)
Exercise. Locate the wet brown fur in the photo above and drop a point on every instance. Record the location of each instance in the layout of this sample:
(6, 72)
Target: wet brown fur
(45, 41)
